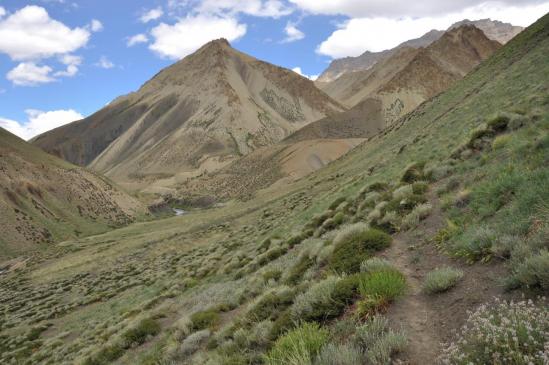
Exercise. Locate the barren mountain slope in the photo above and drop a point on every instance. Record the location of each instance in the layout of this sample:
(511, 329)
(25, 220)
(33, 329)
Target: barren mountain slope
(399, 84)
(198, 114)
(44, 199)
(494, 29)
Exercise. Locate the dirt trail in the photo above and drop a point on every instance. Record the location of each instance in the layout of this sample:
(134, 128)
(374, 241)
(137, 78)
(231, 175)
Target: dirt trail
(429, 320)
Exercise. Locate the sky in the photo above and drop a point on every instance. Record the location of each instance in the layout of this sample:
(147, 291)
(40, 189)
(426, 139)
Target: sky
(62, 60)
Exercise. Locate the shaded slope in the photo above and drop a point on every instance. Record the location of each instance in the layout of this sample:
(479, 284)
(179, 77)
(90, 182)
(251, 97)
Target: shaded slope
(44, 199)
(199, 113)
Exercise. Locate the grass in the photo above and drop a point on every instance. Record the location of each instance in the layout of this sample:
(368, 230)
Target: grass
(355, 243)
(204, 319)
(378, 290)
(441, 280)
(299, 346)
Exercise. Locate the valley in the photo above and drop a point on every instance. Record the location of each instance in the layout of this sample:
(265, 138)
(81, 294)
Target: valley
(298, 225)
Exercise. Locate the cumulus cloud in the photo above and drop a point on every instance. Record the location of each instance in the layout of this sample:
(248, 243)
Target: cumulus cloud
(30, 74)
(292, 33)
(136, 39)
(2, 11)
(396, 8)
(360, 34)
(189, 33)
(268, 8)
(151, 15)
(72, 62)
(298, 71)
(96, 25)
(30, 34)
(105, 63)
(39, 122)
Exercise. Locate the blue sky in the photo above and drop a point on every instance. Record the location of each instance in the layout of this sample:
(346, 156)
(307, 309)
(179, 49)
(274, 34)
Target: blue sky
(63, 59)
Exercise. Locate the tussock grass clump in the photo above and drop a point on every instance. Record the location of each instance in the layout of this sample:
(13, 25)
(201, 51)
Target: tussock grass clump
(340, 354)
(355, 243)
(534, 271)
(299, 346)
(296, 272)
(503, 333)
(375, 264)
(378, 341)
(270, 304)
(325, 299)
(441, 280)
(204, 319)
(413, 172)
(419, 213)
(138, 334)
(378, 290)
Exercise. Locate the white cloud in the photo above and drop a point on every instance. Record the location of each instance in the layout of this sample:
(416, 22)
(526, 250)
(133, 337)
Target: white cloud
(39, 122)
(30, 74)
(297, 70)
(292, 33)
(397, 8)
(96, 25)
(2, 11)
(136, 39)
(30, 34)
(72, 62)
(105, 63)
(376, 34)
(268, 8)
(190, 33)
(152, 14)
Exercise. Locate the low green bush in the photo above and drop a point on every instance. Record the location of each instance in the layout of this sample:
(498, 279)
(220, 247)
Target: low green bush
(299, 346)
(499, 122)
(502, 333)
(106, 355)
(271, 304)
(138, 334)
(354, 244)
(337, 202)
(375, 264)
(413, 173)
(204, 319)
(296, 272)
(440, 280)
(533, 272)
(340, 354)
(378, 341)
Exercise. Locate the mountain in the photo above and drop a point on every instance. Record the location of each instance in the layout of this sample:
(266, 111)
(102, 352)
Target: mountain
(494, 29)
(44, 199)
(366, 60)
(194, 116)
(398, 84)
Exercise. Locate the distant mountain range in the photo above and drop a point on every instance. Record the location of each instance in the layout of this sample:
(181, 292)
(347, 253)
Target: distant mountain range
(494, 29)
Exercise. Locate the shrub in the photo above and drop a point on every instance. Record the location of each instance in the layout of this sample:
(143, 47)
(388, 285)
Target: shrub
(534, 271)
(298, 347)
(480, 132)
(283, 323)
(419, 213)
(204, 319)
(377, 186)
(403, 192)
(272, 275)
(297, 271)
(138, 334)
(375, 264)
(378, 340)
(420, 187)
(354, 244)
(193, 342)
(106, 355)
(270, 304)
(340, 354)
(502, 333)
(499, 122)
(386, 284)
(475, 244)
(325, 299)
(413, 172)
(440, 280)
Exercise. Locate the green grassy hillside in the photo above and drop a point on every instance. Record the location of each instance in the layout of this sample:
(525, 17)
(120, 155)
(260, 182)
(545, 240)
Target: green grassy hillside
(378, 256)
